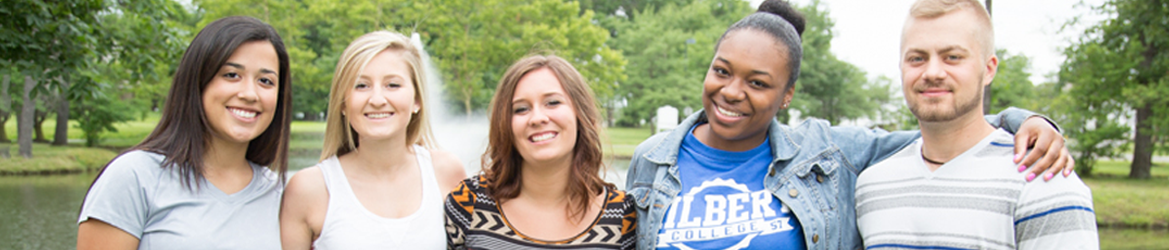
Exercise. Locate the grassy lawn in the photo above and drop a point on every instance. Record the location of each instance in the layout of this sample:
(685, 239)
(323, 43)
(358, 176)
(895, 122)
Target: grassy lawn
(1135, 203)
(620, 142)
(53, 159)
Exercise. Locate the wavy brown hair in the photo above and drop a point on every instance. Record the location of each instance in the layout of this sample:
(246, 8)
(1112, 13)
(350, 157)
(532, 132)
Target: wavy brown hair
(502, 162)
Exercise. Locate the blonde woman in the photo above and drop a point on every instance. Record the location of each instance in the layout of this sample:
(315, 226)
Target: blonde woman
(380, 182)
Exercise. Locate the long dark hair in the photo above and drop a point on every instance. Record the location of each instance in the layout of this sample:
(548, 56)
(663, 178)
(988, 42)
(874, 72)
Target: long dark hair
(182, 134)
(502, 161)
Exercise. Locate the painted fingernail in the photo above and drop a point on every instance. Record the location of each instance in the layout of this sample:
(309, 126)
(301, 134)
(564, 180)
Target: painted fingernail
(1067, 172)
(1030, 176)
(1022, 167)
(1017, 156)
(1048, 176)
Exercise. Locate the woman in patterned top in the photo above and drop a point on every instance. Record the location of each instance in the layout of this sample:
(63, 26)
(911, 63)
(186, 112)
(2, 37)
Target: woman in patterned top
(540, 186)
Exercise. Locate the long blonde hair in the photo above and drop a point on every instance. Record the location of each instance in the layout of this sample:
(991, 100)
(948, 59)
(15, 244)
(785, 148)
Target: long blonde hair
(339, 134)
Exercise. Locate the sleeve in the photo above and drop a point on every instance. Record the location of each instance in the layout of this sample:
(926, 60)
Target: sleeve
(1056, 215)
(459, 205)
(864, 147)
(117, 196)
(629, 224)
(1012, 118)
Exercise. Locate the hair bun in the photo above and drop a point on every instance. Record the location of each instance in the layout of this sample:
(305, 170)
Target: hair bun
(784, 10)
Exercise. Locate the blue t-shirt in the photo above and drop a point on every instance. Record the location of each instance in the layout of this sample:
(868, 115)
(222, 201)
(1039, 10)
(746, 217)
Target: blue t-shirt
(723, 204)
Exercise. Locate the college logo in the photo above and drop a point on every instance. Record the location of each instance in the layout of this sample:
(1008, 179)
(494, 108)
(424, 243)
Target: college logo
(722, 214)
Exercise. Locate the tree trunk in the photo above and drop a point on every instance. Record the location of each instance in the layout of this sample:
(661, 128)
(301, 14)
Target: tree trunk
(38, 119)
(5, 106)
(4, 132)
(24, 122)
(1142, 152)
(61, 135)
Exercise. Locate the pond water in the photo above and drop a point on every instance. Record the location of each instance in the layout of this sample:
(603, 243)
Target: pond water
(40, 212)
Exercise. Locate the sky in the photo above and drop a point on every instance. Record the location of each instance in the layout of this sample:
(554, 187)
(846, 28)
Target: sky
(868, 33)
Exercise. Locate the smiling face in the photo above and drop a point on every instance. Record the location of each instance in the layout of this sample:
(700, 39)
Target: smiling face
(944, 67)
(240, 101)
(744, 89)
(381, 102)
(543, 121)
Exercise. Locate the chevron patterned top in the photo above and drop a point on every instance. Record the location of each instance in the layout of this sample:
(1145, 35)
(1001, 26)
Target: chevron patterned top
(474, 221)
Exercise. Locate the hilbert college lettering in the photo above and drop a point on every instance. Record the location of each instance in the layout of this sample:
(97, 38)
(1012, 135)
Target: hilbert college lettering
(723, 214)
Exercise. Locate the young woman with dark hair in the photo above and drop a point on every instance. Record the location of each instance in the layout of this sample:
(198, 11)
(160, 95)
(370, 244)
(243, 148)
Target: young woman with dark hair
(199, 180)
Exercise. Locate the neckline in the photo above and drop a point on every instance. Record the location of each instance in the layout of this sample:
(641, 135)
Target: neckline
(596, 220)
(421, 203)
(961, 157)
(238, 195)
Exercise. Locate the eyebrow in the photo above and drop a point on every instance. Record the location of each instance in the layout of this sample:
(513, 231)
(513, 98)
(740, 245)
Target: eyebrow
(236, 65)
(952, 48)
(545, 95)
(753, 72)
(944, 50)
(241, 67)
(387, 76)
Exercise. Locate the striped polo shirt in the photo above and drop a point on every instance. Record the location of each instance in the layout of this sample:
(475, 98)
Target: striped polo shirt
(977, 200)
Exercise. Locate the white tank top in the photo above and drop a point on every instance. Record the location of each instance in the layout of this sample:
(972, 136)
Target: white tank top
(348, 225)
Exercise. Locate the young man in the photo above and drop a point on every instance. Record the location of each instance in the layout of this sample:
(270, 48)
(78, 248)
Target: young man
(956, 187)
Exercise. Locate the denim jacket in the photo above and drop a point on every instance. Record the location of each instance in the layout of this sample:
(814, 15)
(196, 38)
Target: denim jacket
(813, 172)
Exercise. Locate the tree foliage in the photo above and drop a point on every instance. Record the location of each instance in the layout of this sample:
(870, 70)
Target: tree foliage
(669, 52)
(830, 88)
(49, 40)
(472, 42)
(1012, 86)
(1118, 65)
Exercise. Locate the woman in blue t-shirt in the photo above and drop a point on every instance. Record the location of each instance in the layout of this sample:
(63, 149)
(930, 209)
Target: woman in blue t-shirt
(198, 180)
(732, 177)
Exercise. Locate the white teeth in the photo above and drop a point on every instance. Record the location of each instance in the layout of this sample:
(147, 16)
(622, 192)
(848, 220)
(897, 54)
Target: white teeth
(727, 113)
(378, 115)
(543, 137)
(243, 113)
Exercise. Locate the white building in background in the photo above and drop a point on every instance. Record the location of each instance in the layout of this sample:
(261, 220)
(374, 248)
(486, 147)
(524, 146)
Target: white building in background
(666, 119)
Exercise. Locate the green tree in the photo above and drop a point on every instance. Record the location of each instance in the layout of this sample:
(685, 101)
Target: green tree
(830, 88)
(48, 40)
(473, 42)
(1118, 65)
(669, 51)
(1012, 86)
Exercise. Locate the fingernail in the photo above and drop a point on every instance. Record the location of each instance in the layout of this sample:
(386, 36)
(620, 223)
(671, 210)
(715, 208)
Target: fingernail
(1030, 176)
(1048, 176)
(1067, 172)
(1022, 167)
(1017, 156)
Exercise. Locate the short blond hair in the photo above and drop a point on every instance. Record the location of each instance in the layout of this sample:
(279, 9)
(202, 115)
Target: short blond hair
(339, 139)
(936, 8)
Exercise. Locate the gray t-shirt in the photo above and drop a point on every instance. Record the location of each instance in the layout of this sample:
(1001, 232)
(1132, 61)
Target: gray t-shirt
(150, 202)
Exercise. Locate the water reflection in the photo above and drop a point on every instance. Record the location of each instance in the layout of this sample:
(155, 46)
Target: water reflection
(40, 212)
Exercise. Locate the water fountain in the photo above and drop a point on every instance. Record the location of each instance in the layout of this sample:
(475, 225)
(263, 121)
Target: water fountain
(464, 136)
